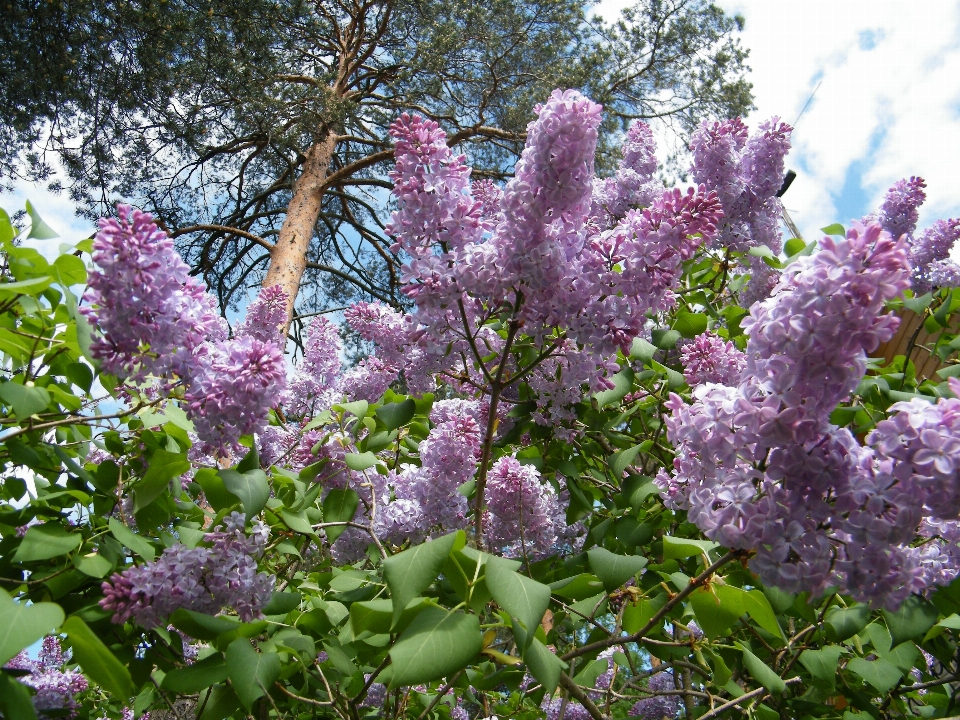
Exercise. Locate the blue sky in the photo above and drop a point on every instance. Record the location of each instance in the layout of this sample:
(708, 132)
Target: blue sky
(887, 106)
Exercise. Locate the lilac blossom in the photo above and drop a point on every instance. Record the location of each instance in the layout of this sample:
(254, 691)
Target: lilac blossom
(707, 358)
(202, 579)
(898, 215)
(232, 388)
(55, 687)
(368, 380)
(151, 312)
(930, 247)
(943, 274)
(572, 710)
(658, 707)
(266, 317)
(633, 185)
(313, 387)
(522, 511)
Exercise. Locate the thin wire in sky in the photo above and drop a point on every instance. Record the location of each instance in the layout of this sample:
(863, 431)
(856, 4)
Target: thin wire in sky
(809, 100)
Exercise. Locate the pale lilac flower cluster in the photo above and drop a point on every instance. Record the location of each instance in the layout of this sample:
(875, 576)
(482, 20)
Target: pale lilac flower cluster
(524, 515)
(200, 579)
(746, 173)
(634, 184)
(899, 213)
(708, 358)
(157, 320)
(658, 707)
(928, 251)
(266, 316)
(943, 273)
(233, 386)
(545, 263)
(760, 467)
(55, 687)
(368, 379)
(314, 384)
(488, 194)
(152, 313)
(572, 710)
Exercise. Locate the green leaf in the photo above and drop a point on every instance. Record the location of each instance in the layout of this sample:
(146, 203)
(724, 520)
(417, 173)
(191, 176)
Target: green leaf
(835, 229)
(194, 678)
(46, 541)
(282, 602)
(38, 228)
(690, 324)
(675, 548)
(717, 609)
(214, 490)
(761, 251)
(7, 233)
(412, 571)
(32, 286)
(822, 663)
(793, 246)
(25, 400)
(642, 350)
(15, 700)
(622, 384)
(437, 644)
(637, 615)
(762, 673)
(843, 623)
(918, 304)
(619, 461)
(164, 467)
(377, 615)
(70, 270)
(612, 569)
(879, 673)
(397, 414)
(358, 408)
(544, 665)
(339, 506)
(665, 339)
(297, 522)
(200, 626)
(22, 625)
(131, 540)
(523, 598)
(758, 607)
(251, 673)
(219, 703)
(360, 461)
(93, 565)
(912, 620)
(252, 487)
(98, 663)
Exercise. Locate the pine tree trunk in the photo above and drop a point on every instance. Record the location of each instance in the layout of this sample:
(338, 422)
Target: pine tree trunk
(288, 259)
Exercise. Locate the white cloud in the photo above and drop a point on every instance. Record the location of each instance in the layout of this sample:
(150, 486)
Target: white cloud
(888, 105)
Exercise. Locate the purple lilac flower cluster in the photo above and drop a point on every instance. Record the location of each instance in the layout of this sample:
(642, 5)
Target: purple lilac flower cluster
(746, 173)
(899, 212)
(572, 710)
(55, 687)
(202, 579)
(929, 255)
(634, 184)
(708, 358)
(314, 383)
(158, 321)
(545, 261)
(759, 466)
(266, 317)
(658, 707)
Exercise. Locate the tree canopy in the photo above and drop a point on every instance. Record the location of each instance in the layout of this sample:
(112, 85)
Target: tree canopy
(262, 124)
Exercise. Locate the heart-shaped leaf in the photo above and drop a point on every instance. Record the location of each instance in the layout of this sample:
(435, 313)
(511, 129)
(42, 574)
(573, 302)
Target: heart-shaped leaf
(251, 673)
(252, 487)
(612, 569)
(397, 414)
(22, 625)
(412, 571)
(339, 506)
(523, 598)
(437, 644)
(46, 541)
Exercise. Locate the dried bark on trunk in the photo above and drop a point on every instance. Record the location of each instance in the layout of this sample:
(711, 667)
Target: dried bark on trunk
(288, 258)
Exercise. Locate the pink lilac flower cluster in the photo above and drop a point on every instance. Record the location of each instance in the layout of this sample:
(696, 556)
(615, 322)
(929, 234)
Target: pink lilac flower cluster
(158, 321)
(708, 358)
(55, 687)
(760, 467)
(898, 214)
(657, 707)
(314, 384)
(929, 255)
(634, 185)
(746, 173)
(201, 579)
(525, 517)
(545, 263)
(266, 317)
